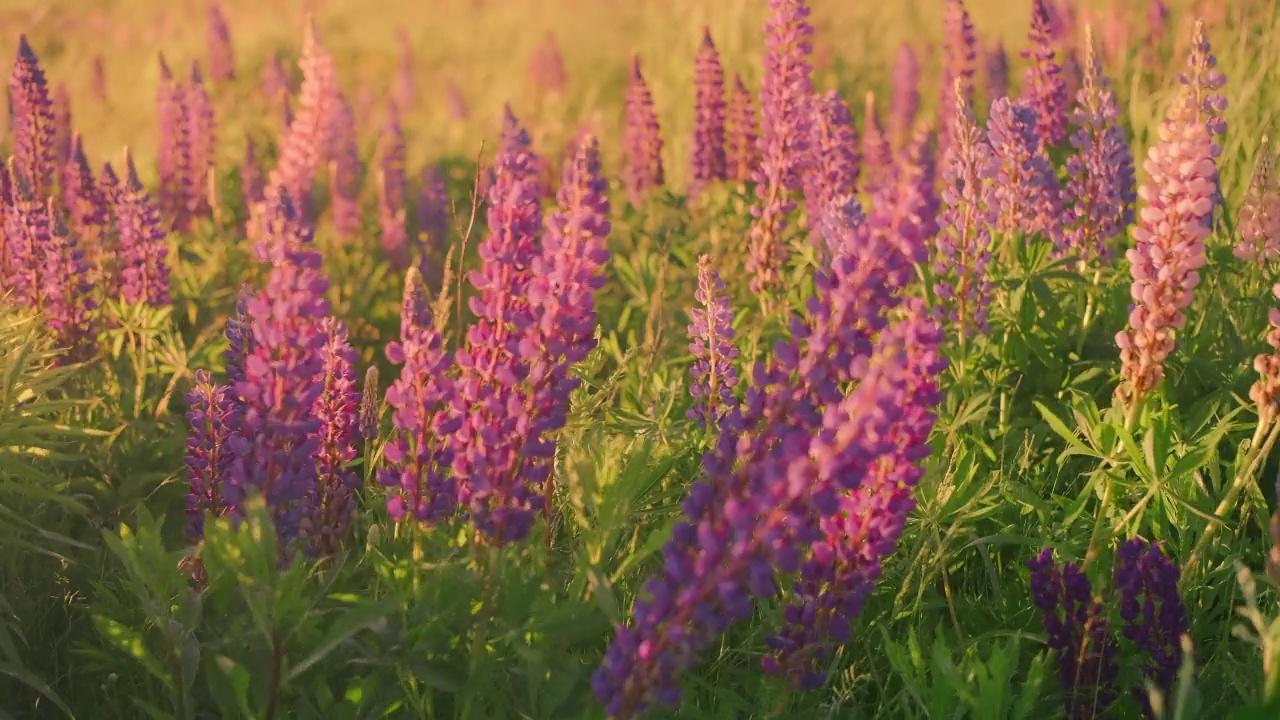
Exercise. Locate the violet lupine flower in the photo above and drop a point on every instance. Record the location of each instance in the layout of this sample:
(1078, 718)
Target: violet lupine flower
(960, 57)
(367, 417)
(26, 235)
(786, 92)
(1072, 74)
(707, 161)
(174, 149)
(906, 96)
(877, 151)
(391, 191)
(419, 455)
(337, 438)
(1154, 617)
(1205, 80)
(344, 170)
(201, 143)
(1260, 212)
(405, 91)
(239, 334)
(307, 139)
(222, 58)
(836, 162)
(711, 343)
(846, 562)
(1265, 393)
(546, 67)
(273, 80)
(996, 69)
(144, 270)
(1077, 630)
(66, 291)
(1169, 242)
(433, 221)
(742, 145)
(1157, 23)
(1100, 189)
(109, 185)
(33, 122)
(208, 455)
(905, 208)
(252, 184)
(60, 105)
(964, 237)
(1028, 199)
(641, 139)
(85, 205)
(1044, 89)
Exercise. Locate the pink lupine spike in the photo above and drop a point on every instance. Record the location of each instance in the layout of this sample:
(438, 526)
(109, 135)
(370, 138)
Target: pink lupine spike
(34, 122)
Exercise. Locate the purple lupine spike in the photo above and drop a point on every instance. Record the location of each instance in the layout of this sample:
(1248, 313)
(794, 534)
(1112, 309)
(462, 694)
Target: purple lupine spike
(742, 145)
(418, 455)
(786, 92)
(66, 292)
(905, 208)
(1072, 73)
(432, 213)
(307, 140)
(252, 184)
(836, 161)
(960, 57)
(1077, 630)
(877, 151)
(283, 366)
(1044, 89)
(641, 139)
(1100, 189)
(344, 170)
(1205, 81)
(996, 70)
(546, 67)
(34, 124)
(144, 270)
(201, 143)
(239, 334)
(26, 235)
(707, 161)
(109, 185)
(905, 102)
(405, 90)
(367, 417)
(173, 149)
(1157, 23)
(846, 562)
(208, 455)
(273, 80)
(711, 343)
(391, 191)
(222, 57)
(963, 248)
(61, 108)
(81, 197)
(1028, 199)
(454, 101)
(1154, 617)
(1169, 240)
(337, 438)
(1260, 212)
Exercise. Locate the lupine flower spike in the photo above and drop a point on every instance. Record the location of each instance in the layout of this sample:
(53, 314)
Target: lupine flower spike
(711, 344)
(1044, 89)
(307, 137)
(1028, 199)
(1260, 213)
(1205, 82)
(996, 69)
(201, 143)
(344, 170)
(144, 269)
(877, 152)
(1154, 617)
(546, 67)
(1265, 393)
(742, 132)
(337, 439)
(836, 160)
(173, 151)
(391, 190)
(61, 108)
(641, 139)
(222, 57)
(960, 56)
(906, 96)
(34, 145)
(707, 161)
(208, 456)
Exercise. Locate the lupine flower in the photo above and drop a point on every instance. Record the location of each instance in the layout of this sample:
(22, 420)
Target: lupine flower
(61, 108)
(369, 410)
(1169, 239)
(405, 91)
(906, 95)
(144, 270)
(252, 184)
(905, 208)
(66, 292)
(1115, 35)
(786, 92)
(26, 235)
(433, 220)
(996, 69)
(391, 190)
(1028, 199)
(960, 56)
(546, 67)
(1260, 212)
(641, 139)
(222, 59)
(741, 134)
(239, 334)
(201, 143)
(1077, 632)
(274, 80)
(1072, 74)
(1157, 24)
(846, 562)
(1154, 617)
(85, 205)
(174, 148)
(877, 152)
(1204, 80)
(1044, 89)
(418, 455)
(964, 239)
(836, 162)
(109, 185)
(307, 138)
(1100, 190)
(208, 455)
(344, 170)
(707, 161)
(33, 124)
(711, 344)
(1265, 393)
(337, 438)
(454, 101)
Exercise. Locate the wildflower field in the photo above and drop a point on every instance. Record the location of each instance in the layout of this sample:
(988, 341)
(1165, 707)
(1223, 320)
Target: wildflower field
(692, 359)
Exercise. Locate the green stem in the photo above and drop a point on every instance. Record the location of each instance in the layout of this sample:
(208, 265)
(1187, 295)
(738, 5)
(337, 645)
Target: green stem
(1249, 468)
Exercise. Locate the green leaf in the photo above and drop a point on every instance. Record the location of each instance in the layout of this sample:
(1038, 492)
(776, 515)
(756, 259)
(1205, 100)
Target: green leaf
(345, 628)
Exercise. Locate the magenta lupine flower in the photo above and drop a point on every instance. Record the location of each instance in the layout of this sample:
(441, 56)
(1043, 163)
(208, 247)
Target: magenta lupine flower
(906, 95)
(419, 454)
(707, 161)
(338, 438)
(1157, 24)
(786, 92)
(1077, 630)
(432, 213)
(1178, 199)
(1100, 188)
(174, 148)
(33, 122)
(109, 185)
(905, 208)
(66, 292)
(1265, 392)
(742, 145)
(1260, 212)
(344, 170)
(711, 343)
(1044, 89)
(405, 91)
(86, 207)
(963, 248)
(1154, 617)
(252, 184)
(1027, 197)
(1205, 81)
(996, 69)
(222, 58)
(208, 455)
(391, 191)
(546, 67)
(306, 141)
(454, 101)
(201, 143)
(836, 162)
(144, 270)
(26, 235)
(641, 139)
(274, 80)
(960, 57)
(877, 151)
(846, 561)
(60, 105)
